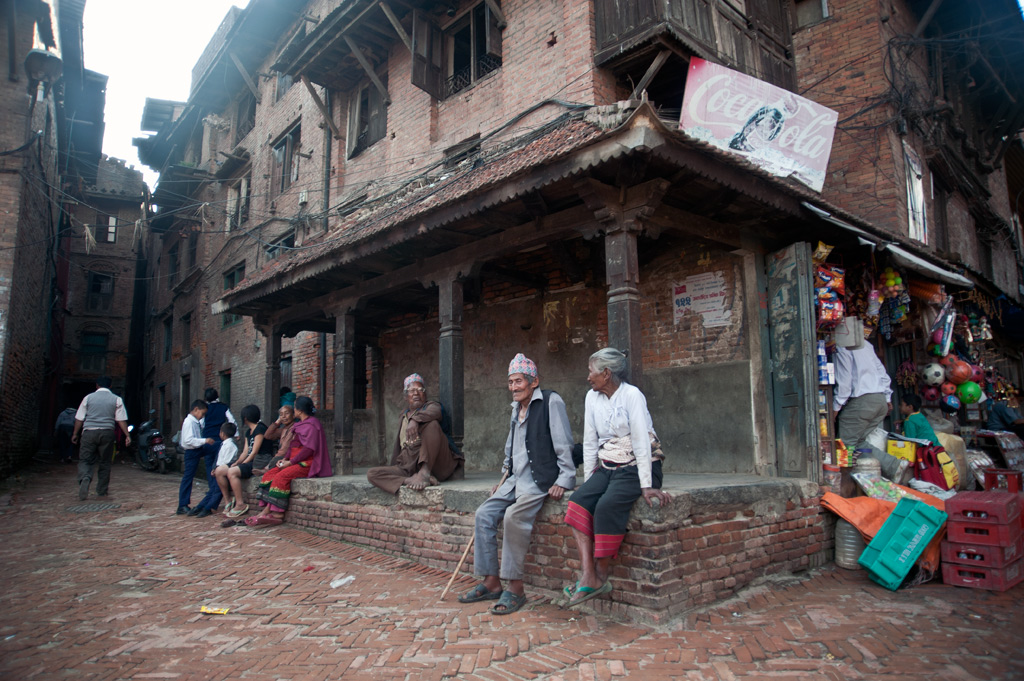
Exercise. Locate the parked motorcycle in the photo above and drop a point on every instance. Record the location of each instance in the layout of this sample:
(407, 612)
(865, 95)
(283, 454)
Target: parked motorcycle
(150, 451)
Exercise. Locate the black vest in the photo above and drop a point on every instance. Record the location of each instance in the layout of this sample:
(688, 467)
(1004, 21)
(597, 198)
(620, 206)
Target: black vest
(540, 450)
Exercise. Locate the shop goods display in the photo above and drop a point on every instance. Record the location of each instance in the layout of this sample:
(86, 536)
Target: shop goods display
(969, 392)
(902, 449)
(979, 462)
(977, 374)
(947, 388)
(947, 361)
(873, 485)
(950, 403)
(985, 541)
(891, 283)
(930, 394)
(933, 374)
(829, 288)
(1000, 479)
(934, 465)
(898, 545)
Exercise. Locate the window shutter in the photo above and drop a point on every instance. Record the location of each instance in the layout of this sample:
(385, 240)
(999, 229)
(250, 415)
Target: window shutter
(492, 34)
(352, 134)
(426, 55)
(378, 123)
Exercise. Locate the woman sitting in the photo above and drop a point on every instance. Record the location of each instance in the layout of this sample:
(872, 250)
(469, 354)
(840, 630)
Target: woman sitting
(307, 457)
(255, 454)
(621, 462)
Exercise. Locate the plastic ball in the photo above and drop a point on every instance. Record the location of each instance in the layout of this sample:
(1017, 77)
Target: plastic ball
(898, 280)
(958, 372)
(947, 388)
(977, 374)
(947, 361)
(937, 350)
(969, 392)
(890, 282)
(937, 336)
(933, 374)
(950, 403)
(930, 394)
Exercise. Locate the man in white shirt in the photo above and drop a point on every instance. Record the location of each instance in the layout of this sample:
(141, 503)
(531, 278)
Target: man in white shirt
(97, 416)
(192, 442)
(862, 400)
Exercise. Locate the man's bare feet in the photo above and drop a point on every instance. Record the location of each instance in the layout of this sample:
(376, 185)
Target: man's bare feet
(420, 480)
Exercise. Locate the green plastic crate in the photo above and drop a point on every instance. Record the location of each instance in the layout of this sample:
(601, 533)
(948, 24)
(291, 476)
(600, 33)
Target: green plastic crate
(897, 546)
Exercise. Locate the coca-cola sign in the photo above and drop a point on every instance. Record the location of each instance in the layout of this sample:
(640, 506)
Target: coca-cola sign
(779, 131)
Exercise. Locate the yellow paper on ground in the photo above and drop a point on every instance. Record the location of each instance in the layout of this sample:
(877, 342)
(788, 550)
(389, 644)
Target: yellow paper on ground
(213, 611)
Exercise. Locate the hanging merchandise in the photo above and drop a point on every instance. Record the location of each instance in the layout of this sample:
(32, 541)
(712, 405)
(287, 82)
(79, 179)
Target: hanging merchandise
(958, 372)
(906, 376)
(933, 374)
(969, 392)
(830, 287)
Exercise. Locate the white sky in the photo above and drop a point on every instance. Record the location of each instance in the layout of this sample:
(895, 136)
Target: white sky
(148, 49)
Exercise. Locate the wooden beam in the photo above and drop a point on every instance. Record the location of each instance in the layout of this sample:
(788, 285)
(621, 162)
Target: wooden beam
(245, 75)
(358, 54)
(652, 71)
(323, 107)
(927, 18)
(399, 29)
(497, 12)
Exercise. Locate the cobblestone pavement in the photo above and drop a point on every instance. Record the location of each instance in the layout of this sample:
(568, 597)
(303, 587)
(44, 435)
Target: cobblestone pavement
(116, 594)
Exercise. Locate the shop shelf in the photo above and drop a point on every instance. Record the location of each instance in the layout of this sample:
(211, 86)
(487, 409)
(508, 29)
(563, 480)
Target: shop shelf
(985, 534)
(1000, 479)
(987, 508)
(979, 555)
(992, 578)
(905, 534)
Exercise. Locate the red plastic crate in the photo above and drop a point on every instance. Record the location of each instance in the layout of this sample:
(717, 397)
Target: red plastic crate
(1001, 479)
(994, 579)
(990, 508)
(980, 555)
(985, 534)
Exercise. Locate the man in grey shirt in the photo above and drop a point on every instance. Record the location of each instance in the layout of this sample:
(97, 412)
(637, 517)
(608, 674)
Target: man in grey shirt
(538, 459)
(95, 420)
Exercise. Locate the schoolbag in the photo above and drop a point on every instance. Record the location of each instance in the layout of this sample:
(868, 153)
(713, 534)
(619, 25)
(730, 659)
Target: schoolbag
(934, 465)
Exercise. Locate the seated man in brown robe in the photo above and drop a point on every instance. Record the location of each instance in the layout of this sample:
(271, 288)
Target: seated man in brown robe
(422, 455)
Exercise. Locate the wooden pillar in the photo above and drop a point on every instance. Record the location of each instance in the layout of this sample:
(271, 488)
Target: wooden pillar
(272, 380)
(451, 368)
(623, 273)
(344, 390)
(377, 386)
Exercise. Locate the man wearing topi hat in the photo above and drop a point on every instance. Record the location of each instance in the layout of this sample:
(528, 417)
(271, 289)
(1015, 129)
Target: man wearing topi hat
(538, 459)
(422, 455)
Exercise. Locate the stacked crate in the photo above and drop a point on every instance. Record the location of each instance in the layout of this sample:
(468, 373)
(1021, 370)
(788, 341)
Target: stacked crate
(984, 547)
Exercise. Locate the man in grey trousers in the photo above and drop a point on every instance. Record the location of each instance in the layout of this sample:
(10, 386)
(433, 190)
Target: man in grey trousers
(538, 459)
(97, 416)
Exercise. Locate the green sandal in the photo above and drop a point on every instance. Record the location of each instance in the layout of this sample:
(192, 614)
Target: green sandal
(508, 603)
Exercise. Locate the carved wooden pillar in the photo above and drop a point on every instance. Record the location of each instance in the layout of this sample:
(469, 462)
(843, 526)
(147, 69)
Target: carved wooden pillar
(377, 385)
(623, 275)
(621, 211)
(344, 390)
(272, 380)
(452, 391)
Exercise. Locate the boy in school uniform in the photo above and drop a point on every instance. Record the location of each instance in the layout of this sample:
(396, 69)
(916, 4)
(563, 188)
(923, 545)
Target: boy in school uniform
(228, 448)
(192, 442)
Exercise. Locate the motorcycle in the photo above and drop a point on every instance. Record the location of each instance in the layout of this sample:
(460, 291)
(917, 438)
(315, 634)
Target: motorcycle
(150, 452)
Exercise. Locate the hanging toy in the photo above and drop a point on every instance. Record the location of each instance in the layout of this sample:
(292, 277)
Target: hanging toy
(930, 394)
(969, 392)
(947, 388)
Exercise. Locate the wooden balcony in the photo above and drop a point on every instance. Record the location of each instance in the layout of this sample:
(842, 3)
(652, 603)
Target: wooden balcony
(757, 42)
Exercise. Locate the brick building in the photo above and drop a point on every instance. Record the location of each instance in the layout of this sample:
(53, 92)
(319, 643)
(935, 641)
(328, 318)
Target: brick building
(356, 190)
(45, 163)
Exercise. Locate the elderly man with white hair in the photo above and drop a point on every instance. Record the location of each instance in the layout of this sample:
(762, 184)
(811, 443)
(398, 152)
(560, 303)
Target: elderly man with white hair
(538, 458)
(423, 454)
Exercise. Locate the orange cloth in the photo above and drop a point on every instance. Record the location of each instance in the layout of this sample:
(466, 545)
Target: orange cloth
(868, 515)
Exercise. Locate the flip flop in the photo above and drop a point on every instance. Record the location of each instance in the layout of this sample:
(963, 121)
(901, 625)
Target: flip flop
(238, 512)
(258, 520)
(585, 593)
(479, 593)
(570, 591)
(508, 603)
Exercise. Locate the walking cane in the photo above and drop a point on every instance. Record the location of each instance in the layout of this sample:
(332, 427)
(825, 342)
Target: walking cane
(465, 553)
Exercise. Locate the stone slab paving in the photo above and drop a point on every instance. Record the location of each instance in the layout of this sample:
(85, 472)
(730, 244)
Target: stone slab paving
(116, 594)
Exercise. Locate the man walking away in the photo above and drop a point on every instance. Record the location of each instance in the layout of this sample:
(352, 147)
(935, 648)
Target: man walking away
(97, 416)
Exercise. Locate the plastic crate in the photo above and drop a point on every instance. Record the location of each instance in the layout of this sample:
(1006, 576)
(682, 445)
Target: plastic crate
(994, 579)
(980, 555)
(985, 534)
(992, 508)
(905, 534)
(1001, 479)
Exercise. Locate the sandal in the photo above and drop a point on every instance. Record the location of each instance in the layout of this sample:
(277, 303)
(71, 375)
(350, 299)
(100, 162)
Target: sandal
(238, 512)
(508, 603)
(258, 520)
(585, 593)
(571, 590)
(231, 505)
(479, 593)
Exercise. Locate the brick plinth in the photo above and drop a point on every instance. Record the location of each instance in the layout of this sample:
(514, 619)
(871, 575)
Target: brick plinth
(720, 534)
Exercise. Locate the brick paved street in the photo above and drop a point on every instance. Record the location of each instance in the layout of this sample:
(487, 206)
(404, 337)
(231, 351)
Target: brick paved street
(116, 594)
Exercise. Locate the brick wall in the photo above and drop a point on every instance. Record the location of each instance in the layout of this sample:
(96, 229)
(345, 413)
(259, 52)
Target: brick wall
(695, 552)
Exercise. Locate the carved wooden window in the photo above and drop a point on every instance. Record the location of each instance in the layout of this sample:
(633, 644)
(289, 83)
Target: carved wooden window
(285, 162)
(449, 61)
(367, 119)
(100, 292)
(93, 352)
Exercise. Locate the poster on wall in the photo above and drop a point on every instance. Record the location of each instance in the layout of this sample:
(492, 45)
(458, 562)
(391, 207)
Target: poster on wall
(782, 133)
(702, 294)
